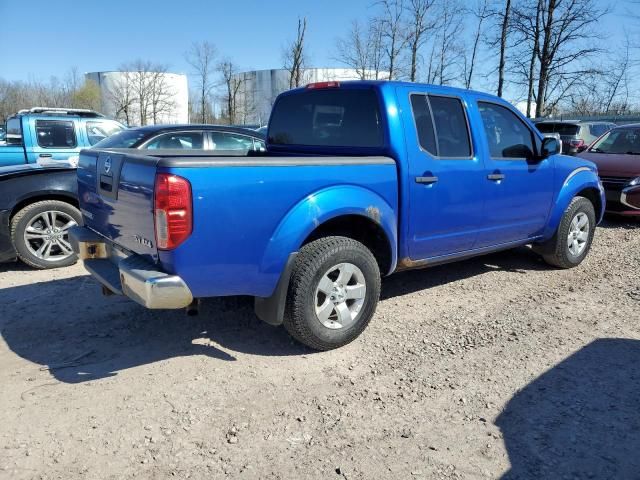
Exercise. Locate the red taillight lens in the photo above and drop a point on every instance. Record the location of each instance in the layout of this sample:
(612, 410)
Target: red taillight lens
(173, 210)
(577, 143)
(317, 85)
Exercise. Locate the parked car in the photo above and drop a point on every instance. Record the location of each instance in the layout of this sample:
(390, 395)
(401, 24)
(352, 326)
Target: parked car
(234, 140)
(2, 135)
(53, 134)
(360, 180)
(617, 155)
(38, 205)
(576, 135)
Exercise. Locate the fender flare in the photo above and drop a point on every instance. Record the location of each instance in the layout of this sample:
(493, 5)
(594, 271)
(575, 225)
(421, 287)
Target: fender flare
(578, 180)
(307, 215)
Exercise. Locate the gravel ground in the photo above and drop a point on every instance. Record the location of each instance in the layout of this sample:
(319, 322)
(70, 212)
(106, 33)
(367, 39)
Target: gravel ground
(497, 367)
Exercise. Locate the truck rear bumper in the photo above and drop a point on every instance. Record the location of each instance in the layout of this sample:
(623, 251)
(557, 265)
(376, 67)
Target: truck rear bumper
(128, 274)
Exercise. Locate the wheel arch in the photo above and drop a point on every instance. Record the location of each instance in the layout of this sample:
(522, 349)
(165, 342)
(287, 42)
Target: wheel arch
(42, 196)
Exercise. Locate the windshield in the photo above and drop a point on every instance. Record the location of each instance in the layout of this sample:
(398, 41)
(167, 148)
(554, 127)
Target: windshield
(123, 139)
(620, 140)
(331, 117)
(99, 130)
(558, 127)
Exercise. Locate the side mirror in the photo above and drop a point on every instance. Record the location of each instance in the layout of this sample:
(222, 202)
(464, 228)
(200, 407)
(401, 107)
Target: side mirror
(550, 146)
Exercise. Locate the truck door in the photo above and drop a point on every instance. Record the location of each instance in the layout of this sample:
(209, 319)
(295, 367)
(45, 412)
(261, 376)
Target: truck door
(53, 139)
(518, 185)
(445, 174)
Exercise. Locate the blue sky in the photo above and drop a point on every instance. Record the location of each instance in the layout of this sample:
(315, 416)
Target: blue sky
(41, 38)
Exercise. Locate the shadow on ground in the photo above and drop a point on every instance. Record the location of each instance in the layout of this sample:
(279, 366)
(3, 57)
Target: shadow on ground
(68, 327)
(581, 419)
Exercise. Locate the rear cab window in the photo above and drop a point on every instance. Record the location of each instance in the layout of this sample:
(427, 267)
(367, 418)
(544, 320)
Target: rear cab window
(332, 117)
(56, 134)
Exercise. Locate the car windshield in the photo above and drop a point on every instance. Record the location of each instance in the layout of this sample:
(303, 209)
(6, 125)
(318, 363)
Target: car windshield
(558, 127)
(620, 141)
(123, 139)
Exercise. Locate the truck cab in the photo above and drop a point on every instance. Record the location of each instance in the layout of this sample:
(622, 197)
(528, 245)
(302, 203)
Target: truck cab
(360, 180)
(50, 134)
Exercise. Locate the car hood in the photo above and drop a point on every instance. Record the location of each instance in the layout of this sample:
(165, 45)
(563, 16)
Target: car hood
(614, 165)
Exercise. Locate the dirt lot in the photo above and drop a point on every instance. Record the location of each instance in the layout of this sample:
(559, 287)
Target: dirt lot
(494, 367)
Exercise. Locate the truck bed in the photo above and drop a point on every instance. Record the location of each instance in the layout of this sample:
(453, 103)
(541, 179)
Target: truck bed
(249, 213)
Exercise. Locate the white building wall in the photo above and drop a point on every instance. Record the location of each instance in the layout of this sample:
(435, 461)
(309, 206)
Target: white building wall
(175, 84)
(261, 87)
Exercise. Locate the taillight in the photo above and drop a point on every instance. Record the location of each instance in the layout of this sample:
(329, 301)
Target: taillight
(173, 210)
(318, 85)
(577, 143)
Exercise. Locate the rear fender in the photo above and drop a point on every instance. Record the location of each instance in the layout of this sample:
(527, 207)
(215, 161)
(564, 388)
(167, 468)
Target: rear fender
(302, 220)
(578, 180)
(321, 206)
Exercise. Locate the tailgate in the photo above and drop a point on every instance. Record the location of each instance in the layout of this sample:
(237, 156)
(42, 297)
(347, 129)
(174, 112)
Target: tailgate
(116, 198)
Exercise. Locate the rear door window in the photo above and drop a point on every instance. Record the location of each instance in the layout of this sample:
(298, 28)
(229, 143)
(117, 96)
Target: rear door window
(177, 141)
(56, 134)
(231, 141)
(328, 117)
(452, 132)
(424, 123)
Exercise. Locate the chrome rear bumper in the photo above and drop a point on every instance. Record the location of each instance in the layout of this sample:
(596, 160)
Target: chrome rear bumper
(128, 274)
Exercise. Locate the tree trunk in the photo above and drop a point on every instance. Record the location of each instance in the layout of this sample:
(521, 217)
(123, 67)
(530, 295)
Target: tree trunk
(545, 60)
(503, 46)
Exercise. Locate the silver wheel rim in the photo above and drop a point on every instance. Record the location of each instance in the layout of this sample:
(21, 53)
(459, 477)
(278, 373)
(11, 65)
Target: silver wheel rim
(578, 234)
(340, 295)
(47, 236)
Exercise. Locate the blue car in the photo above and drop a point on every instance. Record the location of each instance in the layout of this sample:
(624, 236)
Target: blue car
(49, 134)
(360, 180)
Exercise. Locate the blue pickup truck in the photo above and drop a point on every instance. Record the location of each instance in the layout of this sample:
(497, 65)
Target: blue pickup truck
(45, 134)
(360, 180)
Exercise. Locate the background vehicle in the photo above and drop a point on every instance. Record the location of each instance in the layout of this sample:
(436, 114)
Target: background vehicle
(361, 179)
(576, 135)
(53, 134)
(2, 135)
(187, 137)
(617, 155)
(38, 205)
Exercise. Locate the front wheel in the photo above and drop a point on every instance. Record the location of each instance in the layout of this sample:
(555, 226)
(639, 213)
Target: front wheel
(40, 234)
(333, 293)
(572, 241)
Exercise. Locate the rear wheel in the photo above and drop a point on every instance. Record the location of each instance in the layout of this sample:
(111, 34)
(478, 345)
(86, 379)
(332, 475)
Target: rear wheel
(572, 241)
(333, 293)
(40, 234)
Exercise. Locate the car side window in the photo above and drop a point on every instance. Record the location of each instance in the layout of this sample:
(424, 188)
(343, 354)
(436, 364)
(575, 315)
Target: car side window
(424, 123)
(177, 141)
(231, 141)
(56, 134)
(506, 133)
(452, 132)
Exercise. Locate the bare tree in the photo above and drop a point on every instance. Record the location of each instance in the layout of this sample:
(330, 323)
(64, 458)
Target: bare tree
(506, 15)
(120, 95)
(232, 84)
(361, 49)
(393, 34)
(201, 56)
(567, 39)
(481, 13)
(418, 25)
(446, 49)
(294, 56)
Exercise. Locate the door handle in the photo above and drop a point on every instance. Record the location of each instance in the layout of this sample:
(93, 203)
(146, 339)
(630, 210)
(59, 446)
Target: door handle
(495, 177)
(426, 180)
(45, 155)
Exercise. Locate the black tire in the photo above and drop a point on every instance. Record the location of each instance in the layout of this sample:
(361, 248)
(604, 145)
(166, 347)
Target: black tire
(312, 265)
(32, 213)
(556, 251)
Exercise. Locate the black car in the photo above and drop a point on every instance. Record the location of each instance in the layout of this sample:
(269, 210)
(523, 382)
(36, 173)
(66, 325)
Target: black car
(38, 205)
(187, 137)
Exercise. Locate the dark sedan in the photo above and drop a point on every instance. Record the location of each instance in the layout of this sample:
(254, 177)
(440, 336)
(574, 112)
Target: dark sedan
(617, 155)
(187, 137)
